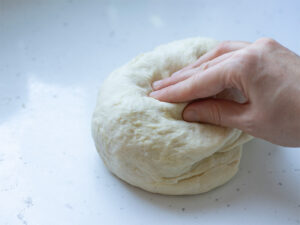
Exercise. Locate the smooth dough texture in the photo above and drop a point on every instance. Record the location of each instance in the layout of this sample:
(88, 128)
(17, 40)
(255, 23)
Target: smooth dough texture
(146, 143)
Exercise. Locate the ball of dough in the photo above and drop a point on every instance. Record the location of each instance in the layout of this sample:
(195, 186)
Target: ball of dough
(146, 143)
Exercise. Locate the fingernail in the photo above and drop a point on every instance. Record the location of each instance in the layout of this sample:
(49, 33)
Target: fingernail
(153, 94)
(156, 84)
(190, 115)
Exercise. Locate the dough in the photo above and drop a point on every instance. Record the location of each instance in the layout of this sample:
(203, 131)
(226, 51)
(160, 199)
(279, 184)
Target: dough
(146, 143)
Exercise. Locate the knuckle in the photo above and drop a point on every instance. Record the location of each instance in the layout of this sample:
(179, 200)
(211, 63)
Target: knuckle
(249, 122)
(215, 113)
(192, 87)
(204, 66)
(222, 47)
(246, 60)
(266, 42)
(236, 71)
(249, 57)
(247, 125)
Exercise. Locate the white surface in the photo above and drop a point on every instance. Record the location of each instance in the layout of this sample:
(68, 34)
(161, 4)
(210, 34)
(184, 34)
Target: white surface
(54, 56)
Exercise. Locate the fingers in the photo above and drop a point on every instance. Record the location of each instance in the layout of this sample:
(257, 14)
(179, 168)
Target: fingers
(222, 48)
(157, 85)
(215, 111)
(209, 59)
(200, 85)
(214, 61)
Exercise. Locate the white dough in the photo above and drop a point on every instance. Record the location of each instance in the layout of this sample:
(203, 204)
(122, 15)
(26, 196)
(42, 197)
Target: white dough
(146, 143)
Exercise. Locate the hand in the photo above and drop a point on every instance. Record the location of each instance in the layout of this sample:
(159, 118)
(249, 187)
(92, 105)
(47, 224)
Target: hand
(265, 72)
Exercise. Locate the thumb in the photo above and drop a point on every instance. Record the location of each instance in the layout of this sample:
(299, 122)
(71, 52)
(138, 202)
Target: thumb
(215, 111)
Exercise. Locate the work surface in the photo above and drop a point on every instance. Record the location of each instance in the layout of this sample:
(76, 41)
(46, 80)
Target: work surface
(54, 55)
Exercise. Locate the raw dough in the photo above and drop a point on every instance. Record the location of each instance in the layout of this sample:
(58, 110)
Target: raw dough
(146, 143)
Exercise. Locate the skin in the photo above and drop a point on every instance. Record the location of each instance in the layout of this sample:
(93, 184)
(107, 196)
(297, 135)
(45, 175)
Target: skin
(264, 71)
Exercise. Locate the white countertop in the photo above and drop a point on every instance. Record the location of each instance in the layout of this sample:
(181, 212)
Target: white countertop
(54, 56)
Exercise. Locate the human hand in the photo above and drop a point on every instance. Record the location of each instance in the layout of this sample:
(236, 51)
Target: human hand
(265, 72)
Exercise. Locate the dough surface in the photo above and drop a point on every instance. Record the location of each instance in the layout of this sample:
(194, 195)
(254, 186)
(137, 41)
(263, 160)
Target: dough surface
(146, 143)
